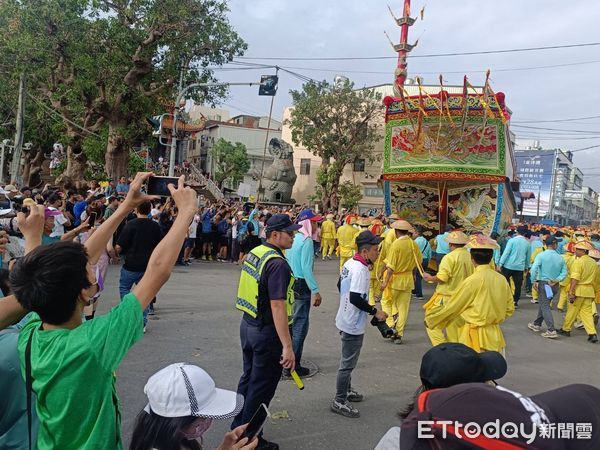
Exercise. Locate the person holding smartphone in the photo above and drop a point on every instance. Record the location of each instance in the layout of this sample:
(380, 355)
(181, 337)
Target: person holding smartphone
(182, 404)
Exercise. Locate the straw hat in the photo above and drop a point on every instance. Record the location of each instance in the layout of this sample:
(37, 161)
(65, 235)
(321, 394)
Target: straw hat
(352, 220)
(364, 222)
(393, 216)
(402, 225)
(585, 245)
(329, 216)
(483, 242)
(457, 237)
(595, 253)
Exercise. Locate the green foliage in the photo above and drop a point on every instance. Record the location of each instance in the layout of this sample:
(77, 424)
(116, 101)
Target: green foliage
(336, 123)
(136, 163)
(350, 195)
(231, 161)
(102, 62)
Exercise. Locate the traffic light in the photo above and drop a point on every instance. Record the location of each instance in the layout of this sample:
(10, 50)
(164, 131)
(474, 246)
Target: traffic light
(156, 124)
(268, 85)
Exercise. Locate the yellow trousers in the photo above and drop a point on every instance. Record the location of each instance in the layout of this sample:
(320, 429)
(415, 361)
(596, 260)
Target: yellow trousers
(562, 301)
(582, 307)
(343, 260)
(327, 246)
(396, 303)
(453, 330)
(374, 290)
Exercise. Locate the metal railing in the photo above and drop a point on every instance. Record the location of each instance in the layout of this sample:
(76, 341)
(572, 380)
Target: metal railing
(208, 184)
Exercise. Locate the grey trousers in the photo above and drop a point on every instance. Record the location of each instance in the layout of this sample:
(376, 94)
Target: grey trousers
(544, 313)
(351, 345)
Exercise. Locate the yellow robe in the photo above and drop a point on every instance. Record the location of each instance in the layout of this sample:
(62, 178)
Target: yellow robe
(483, 300)
(346, 236)
(327, 238)
(584, 271)
(564, 284)
(454, 268)
(402, 260)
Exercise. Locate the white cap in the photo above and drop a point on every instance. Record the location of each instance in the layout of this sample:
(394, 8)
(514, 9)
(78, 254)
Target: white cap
(182, 389)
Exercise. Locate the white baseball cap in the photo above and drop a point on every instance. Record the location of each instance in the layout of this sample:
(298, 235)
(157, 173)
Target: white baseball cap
(182, 389)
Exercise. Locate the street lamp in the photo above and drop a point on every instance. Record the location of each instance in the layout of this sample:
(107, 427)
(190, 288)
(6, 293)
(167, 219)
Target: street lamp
(175, 114)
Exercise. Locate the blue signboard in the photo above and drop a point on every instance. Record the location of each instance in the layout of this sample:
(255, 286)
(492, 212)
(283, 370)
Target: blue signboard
(534, 169)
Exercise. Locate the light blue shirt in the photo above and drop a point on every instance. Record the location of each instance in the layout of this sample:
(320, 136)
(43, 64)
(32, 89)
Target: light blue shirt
(442, 247)
(424, 247)
(548, 265)
(517, 254)
(596, 244)
(562, 242)
(301, 258)
(536, 244)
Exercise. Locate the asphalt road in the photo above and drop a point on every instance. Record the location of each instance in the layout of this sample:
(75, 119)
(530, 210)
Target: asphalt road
(197, 322)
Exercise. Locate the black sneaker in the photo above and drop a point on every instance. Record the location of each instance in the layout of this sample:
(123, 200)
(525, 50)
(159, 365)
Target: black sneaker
(344, 409)
(563, 332)
(302, 371)
(592, 338)
(263, 444)
(354, 396)
(286, 373)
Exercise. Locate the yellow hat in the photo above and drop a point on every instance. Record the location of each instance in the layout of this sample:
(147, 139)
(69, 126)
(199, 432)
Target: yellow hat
(457, 237)
(402, 225)
(585, 245)
(329, 216)
(394, 216)
(481, 241)
(352, 220)
(364, 222)
(29, 202)
(594, 253)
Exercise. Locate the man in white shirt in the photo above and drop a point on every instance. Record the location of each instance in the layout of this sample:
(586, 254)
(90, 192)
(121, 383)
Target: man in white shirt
(351, 318)
(190, 241)
(60, 221)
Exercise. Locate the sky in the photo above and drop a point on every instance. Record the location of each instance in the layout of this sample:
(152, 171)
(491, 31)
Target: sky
(542, 97)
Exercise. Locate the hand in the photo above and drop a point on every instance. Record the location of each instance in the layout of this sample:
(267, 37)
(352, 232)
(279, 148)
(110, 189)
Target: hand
(499, 269)
(427, 277)
(288, 359)
(381, 315)
(317, 299)
(32, 226)
(571, 297)
(135, 197)
(84, 225)
(185, 198)
(232, 440)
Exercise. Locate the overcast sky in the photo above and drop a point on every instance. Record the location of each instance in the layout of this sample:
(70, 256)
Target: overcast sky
(354, 28)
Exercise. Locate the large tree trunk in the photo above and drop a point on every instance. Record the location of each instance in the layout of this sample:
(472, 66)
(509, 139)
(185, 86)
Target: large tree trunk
(117, 153)
(33, 173)
(333, 193)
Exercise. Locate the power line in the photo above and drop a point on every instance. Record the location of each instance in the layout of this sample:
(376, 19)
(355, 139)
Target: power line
(356, 58)
(556, 129)
(556, 120)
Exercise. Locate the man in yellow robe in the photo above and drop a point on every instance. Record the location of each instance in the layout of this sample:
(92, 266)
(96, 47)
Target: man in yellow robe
(581, 292)
(483, 300)
(346, 236)
(389, 236)
(327, 237)
(454, 268)
(398, 282)
(569, 257)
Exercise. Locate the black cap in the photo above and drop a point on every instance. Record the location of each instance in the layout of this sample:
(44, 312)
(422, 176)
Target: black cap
(482, 404)
(510, 233)
(522, 229)
(560, 234)
(450, 363)
(550, 240)
(281, 222)
(367, 238)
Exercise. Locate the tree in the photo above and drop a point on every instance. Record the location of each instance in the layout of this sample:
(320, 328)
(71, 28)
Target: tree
(336, 123)
(350, 195)
(104, 66)
(231, 161)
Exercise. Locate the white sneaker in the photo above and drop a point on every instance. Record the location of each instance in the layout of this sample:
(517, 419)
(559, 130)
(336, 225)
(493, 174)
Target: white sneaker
(578, 325)
(550, 334)
(533, 301)
(344, 409)
(533, 327)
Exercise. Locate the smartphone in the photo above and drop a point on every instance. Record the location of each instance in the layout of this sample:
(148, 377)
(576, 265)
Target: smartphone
(158, 185)
(256, 423)
(92, 220)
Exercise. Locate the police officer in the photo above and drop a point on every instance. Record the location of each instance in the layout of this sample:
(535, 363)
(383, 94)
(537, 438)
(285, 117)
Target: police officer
(265, 295)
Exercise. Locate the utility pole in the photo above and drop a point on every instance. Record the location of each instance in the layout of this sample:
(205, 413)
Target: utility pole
(262, 168)
(16, 161)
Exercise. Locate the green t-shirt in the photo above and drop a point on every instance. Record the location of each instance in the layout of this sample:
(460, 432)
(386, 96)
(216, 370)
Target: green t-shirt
(74, 380)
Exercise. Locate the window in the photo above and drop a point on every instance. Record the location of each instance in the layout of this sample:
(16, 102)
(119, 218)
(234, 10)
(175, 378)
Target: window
(373, 192)
(359, 165)
(305, 166)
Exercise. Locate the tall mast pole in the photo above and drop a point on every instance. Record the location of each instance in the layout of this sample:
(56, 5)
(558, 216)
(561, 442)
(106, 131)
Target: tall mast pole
(403, 48)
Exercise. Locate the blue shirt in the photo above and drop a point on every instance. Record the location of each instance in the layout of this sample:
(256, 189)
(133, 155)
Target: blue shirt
(517, 254)
(536, 244)
(424, 247)
(562, 242)
(548, 265)
(122, 188)
(442, 247)
(78, 210)
(596, 244)
(301, 258)
(206, 221)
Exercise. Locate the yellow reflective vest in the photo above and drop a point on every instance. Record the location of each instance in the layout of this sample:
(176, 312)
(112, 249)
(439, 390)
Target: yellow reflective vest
(254, 263)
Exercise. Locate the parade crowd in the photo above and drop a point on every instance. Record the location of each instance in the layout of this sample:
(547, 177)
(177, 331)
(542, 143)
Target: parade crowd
(59, 357)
